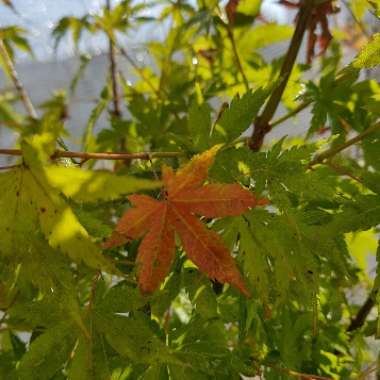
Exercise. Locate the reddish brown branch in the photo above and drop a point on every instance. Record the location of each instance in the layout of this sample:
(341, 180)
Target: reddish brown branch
(362, 314)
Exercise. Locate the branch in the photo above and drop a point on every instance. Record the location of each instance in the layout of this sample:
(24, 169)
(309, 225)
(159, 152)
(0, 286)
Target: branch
(101, 156)
(17, 82)
(261, 124)
(362, 314)
(335, 150)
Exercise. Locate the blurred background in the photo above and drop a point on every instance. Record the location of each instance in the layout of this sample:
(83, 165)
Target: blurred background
(53, 68)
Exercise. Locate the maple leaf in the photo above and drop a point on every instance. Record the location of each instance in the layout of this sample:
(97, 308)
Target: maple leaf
(319, 18)
(186, 196)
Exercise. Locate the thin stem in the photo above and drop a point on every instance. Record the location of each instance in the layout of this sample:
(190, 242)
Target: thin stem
(6, 309)
(231, 37)
(341, 77)
(356, 20)
(299, 375)
(113, 71)
(101, 156)
(114, 81)
(157, 91)
(9, 167)
(20, 87)
(335, 150)
(343, 171)
(17, 82)
(124, 262)
(364, 375)
(290, 114)
(139, 70)
(262, 122)
(94, 283)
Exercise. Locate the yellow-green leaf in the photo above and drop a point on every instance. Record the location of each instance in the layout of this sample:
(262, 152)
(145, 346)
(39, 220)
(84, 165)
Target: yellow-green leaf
(28, 206)
(369, 55)
(90, 186)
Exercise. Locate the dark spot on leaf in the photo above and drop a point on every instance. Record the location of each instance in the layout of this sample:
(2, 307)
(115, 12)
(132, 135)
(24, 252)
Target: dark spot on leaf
(43, 209)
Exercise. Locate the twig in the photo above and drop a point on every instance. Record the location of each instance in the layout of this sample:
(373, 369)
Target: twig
(20, 87)
(290, 114)
(157, 91)
(356, 20)
(154, 172)
(343, 171)
(124, 262)
(17, 82)
(115, 84)
(335, 150)
(94, 283)
(101, 156)
(9, 167)
(139, 70)
(167, 317)
(261, 124)
(231, 37)
(113, 70)
(6, 309)
(364, 375)
(300, 375)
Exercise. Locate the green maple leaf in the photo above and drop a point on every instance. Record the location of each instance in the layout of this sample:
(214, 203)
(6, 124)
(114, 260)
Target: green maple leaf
(239, 116)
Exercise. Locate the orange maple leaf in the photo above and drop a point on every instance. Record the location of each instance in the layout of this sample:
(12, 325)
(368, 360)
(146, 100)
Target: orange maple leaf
(186, 196)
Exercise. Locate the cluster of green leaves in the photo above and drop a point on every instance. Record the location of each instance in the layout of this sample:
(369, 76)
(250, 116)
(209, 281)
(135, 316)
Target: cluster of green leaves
(70, 310)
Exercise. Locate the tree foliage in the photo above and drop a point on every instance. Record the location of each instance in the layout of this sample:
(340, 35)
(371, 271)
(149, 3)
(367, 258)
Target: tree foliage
(252, 256)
